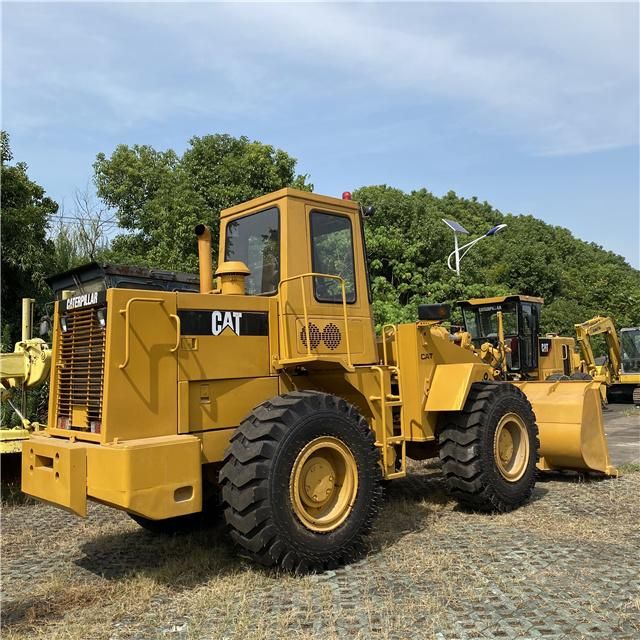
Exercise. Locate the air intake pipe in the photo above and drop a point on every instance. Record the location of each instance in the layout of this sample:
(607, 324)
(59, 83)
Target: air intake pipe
(204, 258)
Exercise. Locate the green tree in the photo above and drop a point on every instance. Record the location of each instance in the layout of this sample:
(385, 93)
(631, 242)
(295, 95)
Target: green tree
(408, 246)
(159, 196)
(26, 250)
(83, 238)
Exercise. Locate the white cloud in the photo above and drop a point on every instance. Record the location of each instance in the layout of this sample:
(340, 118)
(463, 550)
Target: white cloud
(560, 79)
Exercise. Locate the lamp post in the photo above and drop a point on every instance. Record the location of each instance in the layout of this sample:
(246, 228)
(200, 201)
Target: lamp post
(460, 252)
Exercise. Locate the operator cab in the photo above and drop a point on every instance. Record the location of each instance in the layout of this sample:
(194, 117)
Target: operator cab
(630, 343)
(307, 253)
(521, 322)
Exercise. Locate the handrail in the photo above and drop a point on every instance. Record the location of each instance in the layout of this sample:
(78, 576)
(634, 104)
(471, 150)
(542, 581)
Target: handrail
(313, 274)
(384, 340)
(126, 314)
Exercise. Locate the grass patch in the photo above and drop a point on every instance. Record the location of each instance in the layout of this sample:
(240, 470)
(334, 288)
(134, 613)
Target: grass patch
(431, 567)
(11, 494)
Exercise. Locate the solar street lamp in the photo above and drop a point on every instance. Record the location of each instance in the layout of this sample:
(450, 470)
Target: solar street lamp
(460, 252)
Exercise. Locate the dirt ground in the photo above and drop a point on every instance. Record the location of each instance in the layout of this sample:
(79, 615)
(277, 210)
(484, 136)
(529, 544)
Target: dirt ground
(567, 565)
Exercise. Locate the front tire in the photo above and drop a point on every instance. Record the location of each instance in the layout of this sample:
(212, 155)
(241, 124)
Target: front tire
(489, 449)
(301, 482)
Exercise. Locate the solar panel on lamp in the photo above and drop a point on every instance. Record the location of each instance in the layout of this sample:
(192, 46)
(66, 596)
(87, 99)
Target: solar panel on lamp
(455, 226)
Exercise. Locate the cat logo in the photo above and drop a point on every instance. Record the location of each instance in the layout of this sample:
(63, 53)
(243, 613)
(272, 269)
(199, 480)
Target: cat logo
(84, 300)
(545, 346)
(201, 322)
(221, 320)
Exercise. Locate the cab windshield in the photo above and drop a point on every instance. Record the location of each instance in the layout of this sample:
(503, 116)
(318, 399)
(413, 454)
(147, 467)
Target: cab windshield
(255, 240)
(630, 343)
(482, 322)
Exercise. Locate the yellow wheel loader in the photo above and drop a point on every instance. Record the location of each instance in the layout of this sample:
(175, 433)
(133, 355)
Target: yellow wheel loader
(272, 394)
(527, 354)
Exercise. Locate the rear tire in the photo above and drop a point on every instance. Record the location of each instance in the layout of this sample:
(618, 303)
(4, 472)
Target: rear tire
(636, 396)
(301, 482)
(489, 449)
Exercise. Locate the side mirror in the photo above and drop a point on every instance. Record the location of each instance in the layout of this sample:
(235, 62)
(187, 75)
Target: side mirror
(45, 326)
(367, 212)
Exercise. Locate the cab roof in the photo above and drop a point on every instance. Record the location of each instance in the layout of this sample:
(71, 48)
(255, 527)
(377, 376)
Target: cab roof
(287, 192)
(478, 302)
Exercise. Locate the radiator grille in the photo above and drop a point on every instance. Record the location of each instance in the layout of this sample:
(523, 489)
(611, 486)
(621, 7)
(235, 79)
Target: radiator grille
(81, 370)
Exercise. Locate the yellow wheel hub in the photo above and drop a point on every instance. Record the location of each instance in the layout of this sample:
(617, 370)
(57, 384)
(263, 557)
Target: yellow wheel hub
(323, 484)
(511, 447)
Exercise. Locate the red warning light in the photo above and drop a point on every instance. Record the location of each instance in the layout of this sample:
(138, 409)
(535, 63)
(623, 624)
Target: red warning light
(346, 195)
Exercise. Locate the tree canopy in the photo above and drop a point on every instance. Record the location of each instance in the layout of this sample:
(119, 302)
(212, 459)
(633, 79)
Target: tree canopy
(157, 197)
(408, 245)
(160, 196)
(26, 249)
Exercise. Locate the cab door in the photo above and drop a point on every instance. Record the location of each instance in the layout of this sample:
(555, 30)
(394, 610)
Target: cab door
(334, 248)
(528, 336)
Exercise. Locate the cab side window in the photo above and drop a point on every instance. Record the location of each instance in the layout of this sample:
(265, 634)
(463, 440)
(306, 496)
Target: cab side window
(255, 240)
(332, 253)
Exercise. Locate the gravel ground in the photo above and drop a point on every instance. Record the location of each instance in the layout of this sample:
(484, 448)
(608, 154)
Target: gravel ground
(567, 565)
(622, 428)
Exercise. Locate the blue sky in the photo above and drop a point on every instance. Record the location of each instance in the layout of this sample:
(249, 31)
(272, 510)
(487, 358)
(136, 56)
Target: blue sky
(532, 107)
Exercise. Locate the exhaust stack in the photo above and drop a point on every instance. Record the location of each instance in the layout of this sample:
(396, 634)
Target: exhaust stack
(204, 258)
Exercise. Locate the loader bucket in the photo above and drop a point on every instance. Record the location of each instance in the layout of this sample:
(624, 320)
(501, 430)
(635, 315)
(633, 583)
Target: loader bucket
(569, 417)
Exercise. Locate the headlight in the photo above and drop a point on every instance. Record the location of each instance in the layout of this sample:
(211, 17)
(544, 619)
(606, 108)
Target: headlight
(102, 317)
(64, 324)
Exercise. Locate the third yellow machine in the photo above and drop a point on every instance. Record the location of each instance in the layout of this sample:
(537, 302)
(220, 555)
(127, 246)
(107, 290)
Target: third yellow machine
(271, 396)
(621, 366)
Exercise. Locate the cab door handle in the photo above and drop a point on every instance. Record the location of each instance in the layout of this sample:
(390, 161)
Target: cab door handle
(177, 319)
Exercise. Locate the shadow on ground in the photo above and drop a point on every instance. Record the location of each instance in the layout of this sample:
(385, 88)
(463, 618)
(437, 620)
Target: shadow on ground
(188, 559)
(183, 561)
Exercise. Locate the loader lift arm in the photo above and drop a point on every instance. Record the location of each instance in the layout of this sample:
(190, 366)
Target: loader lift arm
(26, 368)
(600, 325)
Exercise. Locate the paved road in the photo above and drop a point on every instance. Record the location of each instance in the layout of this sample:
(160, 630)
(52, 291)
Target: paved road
(564, 567)
(622, 428)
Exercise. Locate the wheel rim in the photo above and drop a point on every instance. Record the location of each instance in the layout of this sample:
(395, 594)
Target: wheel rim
(511, 447)
(323, 484)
